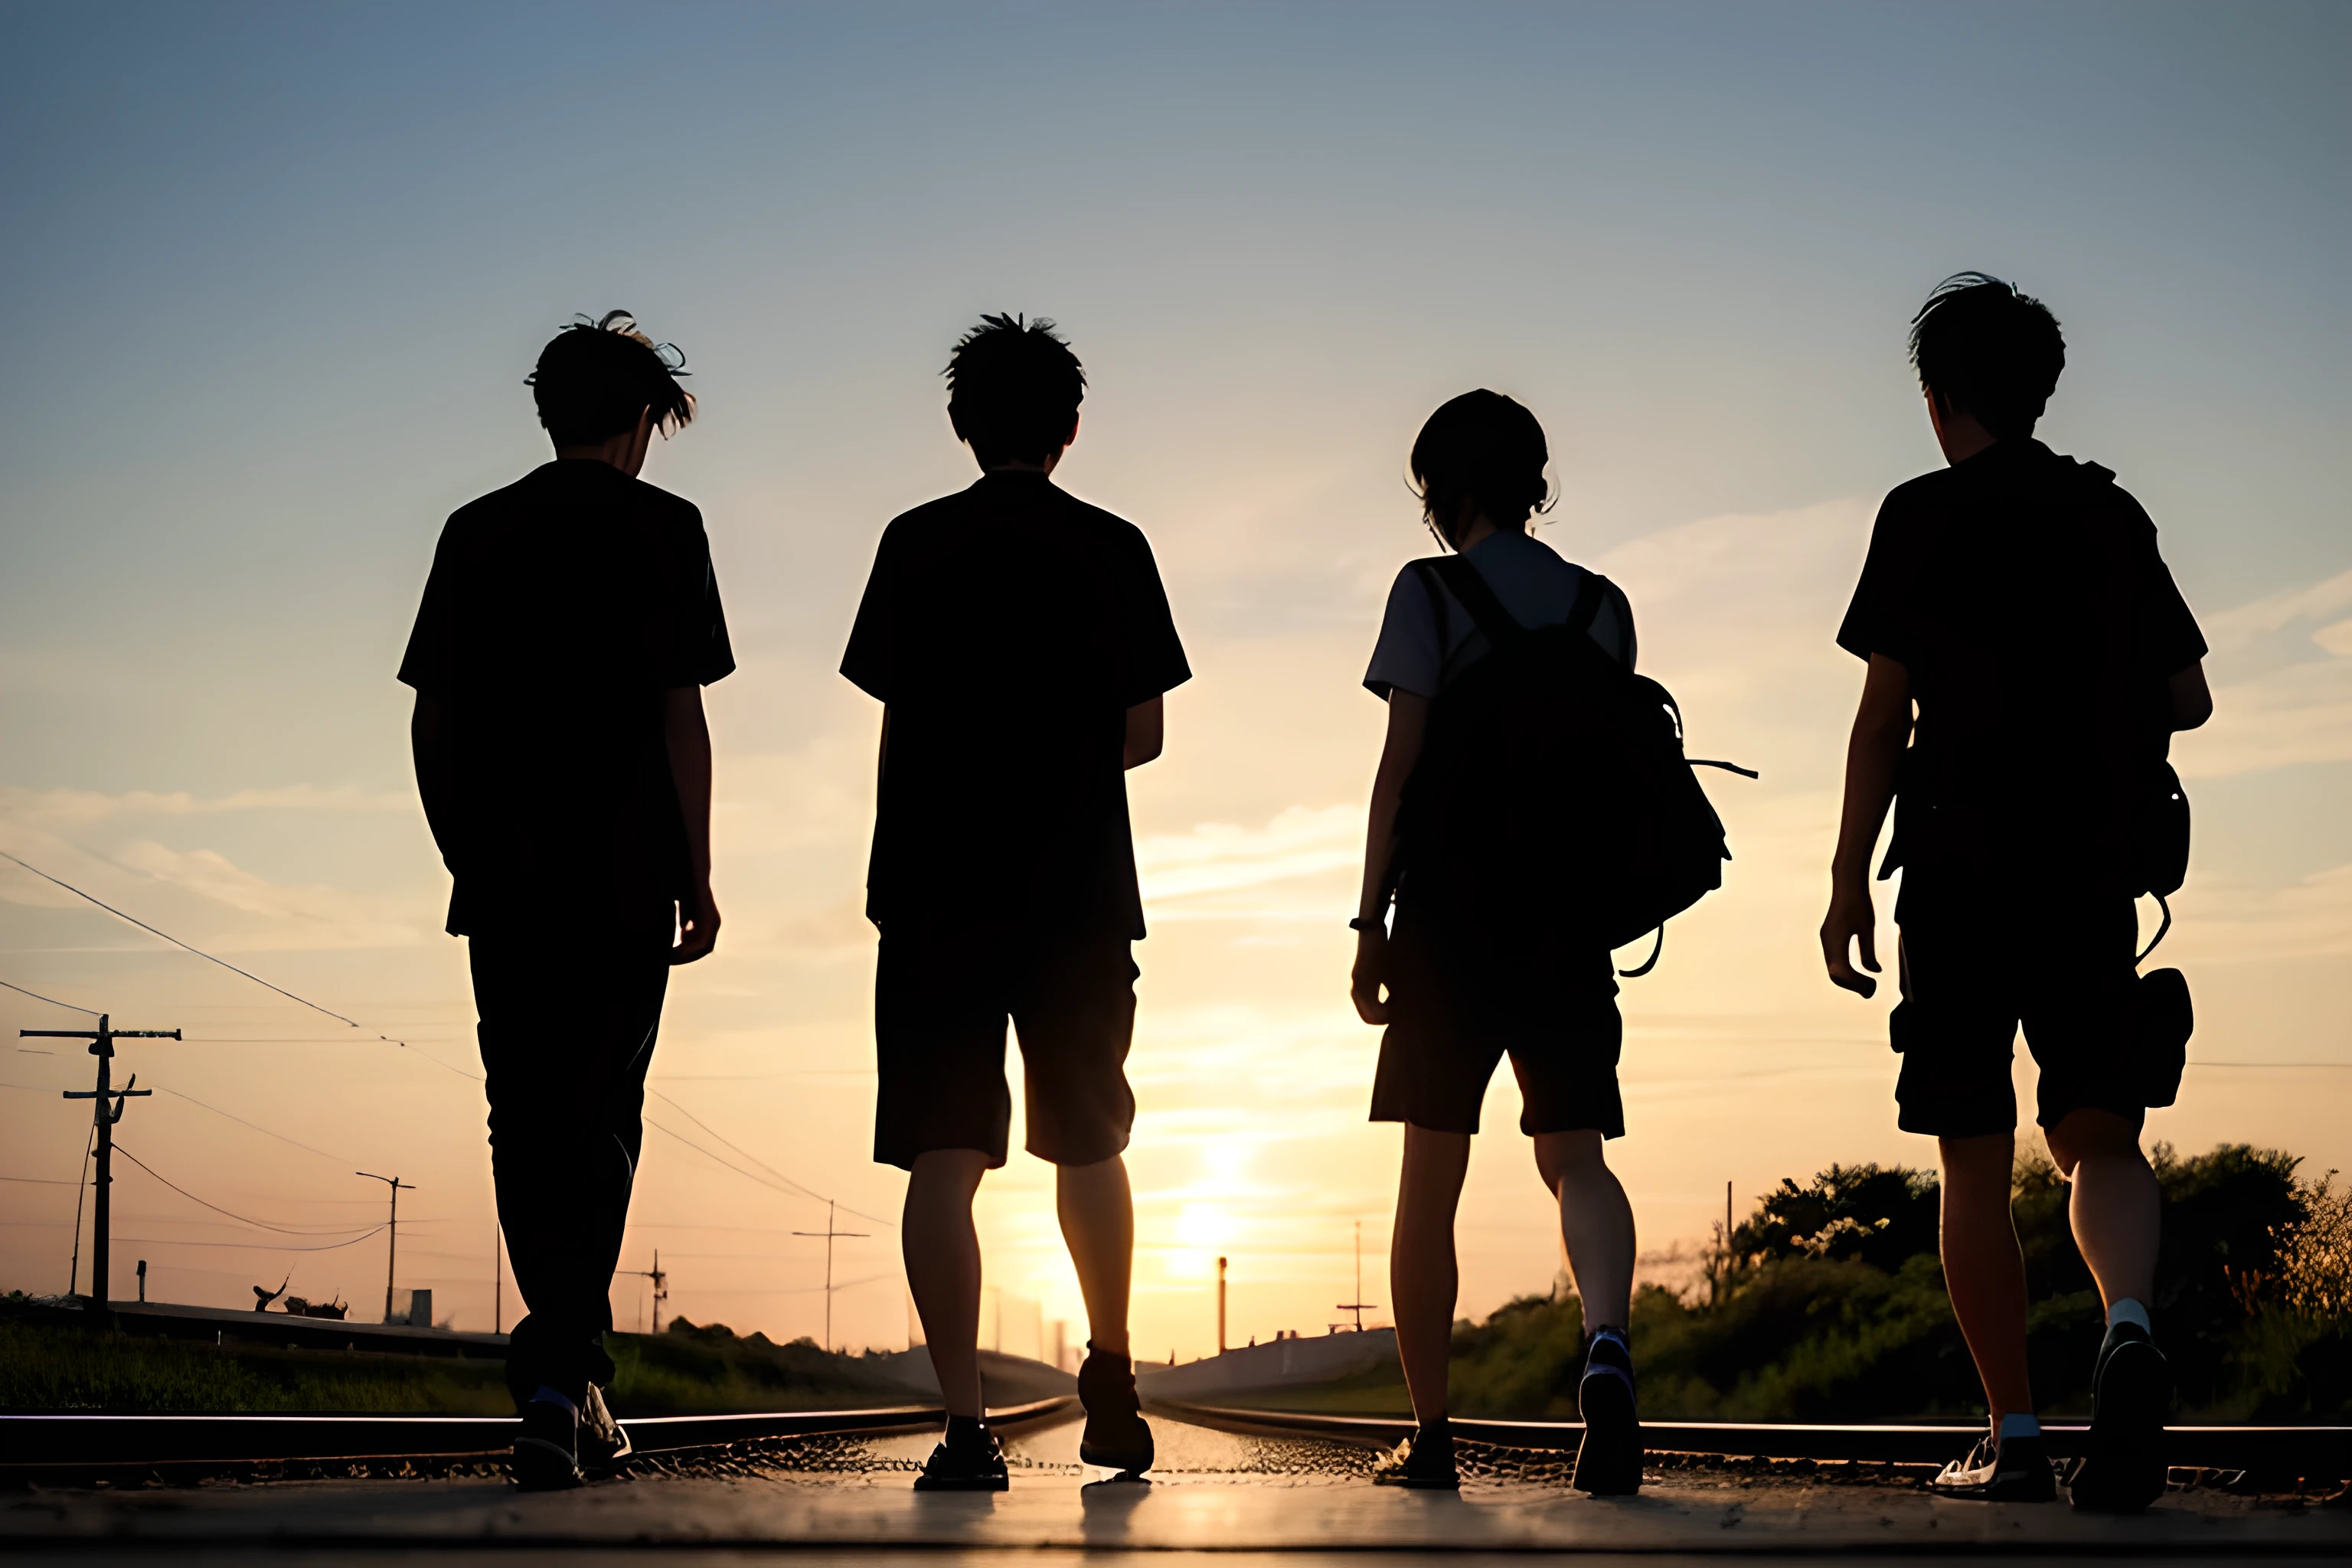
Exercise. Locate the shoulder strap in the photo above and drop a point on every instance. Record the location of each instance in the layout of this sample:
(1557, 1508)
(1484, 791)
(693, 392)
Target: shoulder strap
(1432, 584)
(1590, 595)
(1468, 584)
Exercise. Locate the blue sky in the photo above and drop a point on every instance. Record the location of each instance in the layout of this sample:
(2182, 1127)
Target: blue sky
(276, 273)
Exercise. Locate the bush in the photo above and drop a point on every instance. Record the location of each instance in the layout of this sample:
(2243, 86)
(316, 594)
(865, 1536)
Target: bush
(1830, 1305)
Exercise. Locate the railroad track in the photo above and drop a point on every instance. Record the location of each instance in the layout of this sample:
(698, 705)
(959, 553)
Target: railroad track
(79, 1448)
(2315, 1452)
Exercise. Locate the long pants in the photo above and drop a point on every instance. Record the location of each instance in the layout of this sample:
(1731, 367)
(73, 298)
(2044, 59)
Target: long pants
(567, 1029)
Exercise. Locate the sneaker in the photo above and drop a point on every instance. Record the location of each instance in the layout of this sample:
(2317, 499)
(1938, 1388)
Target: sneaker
(1423, 1461)
(965, 1464)
(2000, 1469)
(2122, 1469)
(1608, 1459)
(1116, 1436)
(546, 1447)
(602, 1444)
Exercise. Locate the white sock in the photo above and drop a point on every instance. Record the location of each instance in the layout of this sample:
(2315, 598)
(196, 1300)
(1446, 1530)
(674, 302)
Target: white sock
(550, 1396)
(2019, 1426)
(2127, 1310)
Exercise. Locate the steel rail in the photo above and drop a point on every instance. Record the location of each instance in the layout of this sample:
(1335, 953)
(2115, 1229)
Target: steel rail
(2310, 1451)
(31, 1445)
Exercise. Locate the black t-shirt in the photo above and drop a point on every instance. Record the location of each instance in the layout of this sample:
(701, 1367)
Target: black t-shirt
(1010, 627)
(2024, 595)
(559, 611)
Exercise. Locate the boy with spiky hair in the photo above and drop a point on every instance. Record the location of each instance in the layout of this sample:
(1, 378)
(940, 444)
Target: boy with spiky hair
(1021, 644)
(2017, 600)
(568, 628)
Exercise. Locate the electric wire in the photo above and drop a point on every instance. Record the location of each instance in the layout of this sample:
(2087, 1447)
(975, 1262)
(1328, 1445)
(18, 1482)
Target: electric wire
(789, 1185)
(802, 1188)
(37, 995)
(253, 1245)
(175, 941)
(257, 1223)
(257, 1126)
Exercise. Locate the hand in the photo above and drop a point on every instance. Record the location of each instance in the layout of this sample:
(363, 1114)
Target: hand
(1850, 919)
(1364, 984)
(697, 927)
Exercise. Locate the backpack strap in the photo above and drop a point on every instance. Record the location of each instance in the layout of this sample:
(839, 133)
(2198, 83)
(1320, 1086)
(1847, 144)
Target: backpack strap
(1433, 585)
(1469, 585)
(1590, 595)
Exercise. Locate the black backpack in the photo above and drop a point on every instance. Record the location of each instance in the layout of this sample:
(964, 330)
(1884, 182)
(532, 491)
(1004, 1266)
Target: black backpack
(1551, 797)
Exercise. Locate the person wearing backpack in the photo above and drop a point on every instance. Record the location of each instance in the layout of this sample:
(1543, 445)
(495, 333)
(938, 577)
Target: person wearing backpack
(1480, 962)
(2029, 659)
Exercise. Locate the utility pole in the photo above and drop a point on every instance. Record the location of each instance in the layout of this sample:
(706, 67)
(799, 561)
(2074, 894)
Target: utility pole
(107, 1109)
(1358, 1306)
(830, 1234)
(1221, 1306)
(497, 1276)
(392, 1253)
(661, 1288)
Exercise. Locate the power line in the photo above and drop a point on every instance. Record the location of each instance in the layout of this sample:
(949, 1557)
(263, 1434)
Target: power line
(803, 1188)
(257, 1126)
(789, 1185)
(175, 941)
(208, 958)
(37, 995)
(255, 1245)
(257, 1223)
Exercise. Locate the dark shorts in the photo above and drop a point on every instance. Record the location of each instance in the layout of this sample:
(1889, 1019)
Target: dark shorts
(1457, 1007)
(941, 996)
(1974, 966)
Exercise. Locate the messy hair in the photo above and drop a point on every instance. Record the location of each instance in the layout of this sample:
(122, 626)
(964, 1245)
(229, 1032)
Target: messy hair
(1485, 447)
(1984, 346)
(596, 377)
(1014, 389)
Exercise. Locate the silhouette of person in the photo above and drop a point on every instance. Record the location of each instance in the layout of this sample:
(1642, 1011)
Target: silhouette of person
(567, 629)
(2029, 658)
(1466, 983)
(1021, 644)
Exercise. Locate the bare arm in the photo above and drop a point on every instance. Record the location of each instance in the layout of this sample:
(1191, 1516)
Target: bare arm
(428, 744)
(2192, 700)
(1881, 728)
(1408, 723)
(687, 736)
(1147, 731)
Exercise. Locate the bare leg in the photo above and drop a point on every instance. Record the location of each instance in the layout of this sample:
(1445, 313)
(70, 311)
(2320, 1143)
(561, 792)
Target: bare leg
(942, 1253)
(1983, 1269)
(2116, 1206)
(1422, 1278)
(1596, 1224)
(1097, 1213)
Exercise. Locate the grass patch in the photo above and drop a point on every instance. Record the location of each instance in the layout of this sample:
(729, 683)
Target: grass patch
(57, 1369)
(690, 1371)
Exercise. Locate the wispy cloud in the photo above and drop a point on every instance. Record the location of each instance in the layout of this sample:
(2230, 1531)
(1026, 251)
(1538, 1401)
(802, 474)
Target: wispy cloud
(68, 806)
(1183, 873)
(2235, 922)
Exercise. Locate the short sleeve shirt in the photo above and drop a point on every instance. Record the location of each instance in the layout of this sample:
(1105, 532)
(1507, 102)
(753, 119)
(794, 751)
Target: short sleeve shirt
(1425, 642)
(1009, 628)
(558, 613)
(2024, 595)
